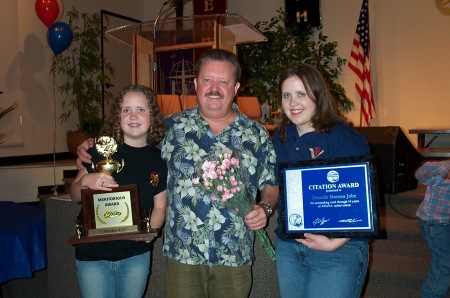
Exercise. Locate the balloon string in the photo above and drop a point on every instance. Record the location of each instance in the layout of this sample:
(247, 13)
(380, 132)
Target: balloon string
(55, 189)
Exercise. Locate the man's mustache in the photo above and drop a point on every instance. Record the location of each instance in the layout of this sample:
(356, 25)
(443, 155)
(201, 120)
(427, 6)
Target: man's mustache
(214, 93)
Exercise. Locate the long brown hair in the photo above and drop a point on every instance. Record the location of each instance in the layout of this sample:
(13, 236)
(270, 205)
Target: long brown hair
(157, 129)
(326, 114)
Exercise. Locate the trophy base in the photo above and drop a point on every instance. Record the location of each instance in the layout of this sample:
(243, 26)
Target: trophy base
(143, 235)
(113, 230)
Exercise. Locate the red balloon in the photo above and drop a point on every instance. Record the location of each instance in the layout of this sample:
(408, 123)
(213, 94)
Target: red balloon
(47, 11)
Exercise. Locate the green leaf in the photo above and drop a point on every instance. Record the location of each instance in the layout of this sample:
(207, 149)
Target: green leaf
(81, 71)
(262, 62)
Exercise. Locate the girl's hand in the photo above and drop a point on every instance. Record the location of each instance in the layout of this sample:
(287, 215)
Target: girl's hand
(98, 181)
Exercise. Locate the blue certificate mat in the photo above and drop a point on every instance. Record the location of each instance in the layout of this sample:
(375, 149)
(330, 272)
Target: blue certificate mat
(333, 197)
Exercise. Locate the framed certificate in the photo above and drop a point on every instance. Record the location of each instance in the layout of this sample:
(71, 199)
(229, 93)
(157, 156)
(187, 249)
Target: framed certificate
(334, 197)
(111, 215)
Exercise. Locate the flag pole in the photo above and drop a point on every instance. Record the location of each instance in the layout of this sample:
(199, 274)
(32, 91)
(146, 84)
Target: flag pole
(359, 63)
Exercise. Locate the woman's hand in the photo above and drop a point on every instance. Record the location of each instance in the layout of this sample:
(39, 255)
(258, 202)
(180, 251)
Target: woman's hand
(323, 243)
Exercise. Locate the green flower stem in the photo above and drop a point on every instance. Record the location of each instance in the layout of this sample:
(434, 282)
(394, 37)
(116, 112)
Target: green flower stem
(243, 207)
(267, 245)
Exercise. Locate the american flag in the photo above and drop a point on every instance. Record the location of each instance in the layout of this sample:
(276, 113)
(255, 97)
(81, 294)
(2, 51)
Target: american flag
(360, 64)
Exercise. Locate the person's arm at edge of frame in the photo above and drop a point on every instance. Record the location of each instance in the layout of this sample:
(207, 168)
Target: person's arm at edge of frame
(432, 172)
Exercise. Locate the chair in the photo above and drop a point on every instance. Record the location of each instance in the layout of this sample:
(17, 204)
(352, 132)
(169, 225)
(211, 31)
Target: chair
(250, 106)
(188, 101)
(169, 103)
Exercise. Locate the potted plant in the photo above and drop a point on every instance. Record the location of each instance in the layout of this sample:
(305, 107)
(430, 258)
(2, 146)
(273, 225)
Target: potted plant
(262, 62)
(84, 72)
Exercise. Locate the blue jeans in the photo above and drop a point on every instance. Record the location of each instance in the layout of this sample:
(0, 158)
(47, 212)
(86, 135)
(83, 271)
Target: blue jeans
(437, 237)
(124, 278)
(303, 272)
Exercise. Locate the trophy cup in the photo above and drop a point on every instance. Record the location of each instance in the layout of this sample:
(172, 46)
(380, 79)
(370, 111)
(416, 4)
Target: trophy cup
(106, 147)
(115, 214)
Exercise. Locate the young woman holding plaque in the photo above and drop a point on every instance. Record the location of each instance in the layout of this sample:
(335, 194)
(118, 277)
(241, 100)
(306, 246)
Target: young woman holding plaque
(120, 268)
(311, 128)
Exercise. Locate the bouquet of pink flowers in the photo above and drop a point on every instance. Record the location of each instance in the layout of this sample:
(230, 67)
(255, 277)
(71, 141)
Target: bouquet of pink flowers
(221, 177)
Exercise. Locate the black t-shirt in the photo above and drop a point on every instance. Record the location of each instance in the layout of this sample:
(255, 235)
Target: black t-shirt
(140, 167)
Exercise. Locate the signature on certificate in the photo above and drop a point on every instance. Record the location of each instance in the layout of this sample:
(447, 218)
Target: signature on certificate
(350, 220)
(320, 221)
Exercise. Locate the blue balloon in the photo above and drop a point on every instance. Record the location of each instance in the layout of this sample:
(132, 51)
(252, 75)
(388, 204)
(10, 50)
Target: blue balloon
(59, 37)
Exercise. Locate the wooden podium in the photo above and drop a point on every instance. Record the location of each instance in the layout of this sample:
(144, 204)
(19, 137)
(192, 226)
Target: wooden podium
(150, 39)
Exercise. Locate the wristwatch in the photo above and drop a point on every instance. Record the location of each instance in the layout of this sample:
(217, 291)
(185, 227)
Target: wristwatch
(267, 208)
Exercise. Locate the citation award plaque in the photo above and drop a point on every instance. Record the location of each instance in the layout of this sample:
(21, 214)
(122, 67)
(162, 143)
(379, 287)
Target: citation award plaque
(111, 215)
(333, 197)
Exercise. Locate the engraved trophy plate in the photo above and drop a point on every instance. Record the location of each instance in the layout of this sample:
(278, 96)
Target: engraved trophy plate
(111, 215)
(113, 212)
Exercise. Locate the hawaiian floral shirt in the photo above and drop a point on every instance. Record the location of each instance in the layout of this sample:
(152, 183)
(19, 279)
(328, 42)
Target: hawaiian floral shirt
(197, 230)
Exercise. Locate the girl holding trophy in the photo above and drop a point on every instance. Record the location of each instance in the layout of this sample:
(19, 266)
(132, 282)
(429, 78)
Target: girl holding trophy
(120, 268)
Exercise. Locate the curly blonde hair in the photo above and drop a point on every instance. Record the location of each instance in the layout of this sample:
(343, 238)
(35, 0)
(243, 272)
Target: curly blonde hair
(157, 129)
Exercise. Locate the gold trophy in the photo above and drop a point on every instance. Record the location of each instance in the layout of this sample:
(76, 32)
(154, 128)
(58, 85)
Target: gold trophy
(106, 147)
(111, 215)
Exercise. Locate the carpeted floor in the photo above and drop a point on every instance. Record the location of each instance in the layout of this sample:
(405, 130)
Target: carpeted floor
(399, 260)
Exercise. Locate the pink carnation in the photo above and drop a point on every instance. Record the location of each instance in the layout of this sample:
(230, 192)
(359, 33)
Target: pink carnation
(225, 164)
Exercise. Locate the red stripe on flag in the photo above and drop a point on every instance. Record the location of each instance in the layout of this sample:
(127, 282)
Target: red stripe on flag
(360, 64)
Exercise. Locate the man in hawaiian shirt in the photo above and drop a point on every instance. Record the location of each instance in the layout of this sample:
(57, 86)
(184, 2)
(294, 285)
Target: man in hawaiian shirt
(209, 249)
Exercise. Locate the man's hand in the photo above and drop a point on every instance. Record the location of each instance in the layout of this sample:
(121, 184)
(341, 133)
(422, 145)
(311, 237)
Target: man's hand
(83, 156)
(257, 218)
